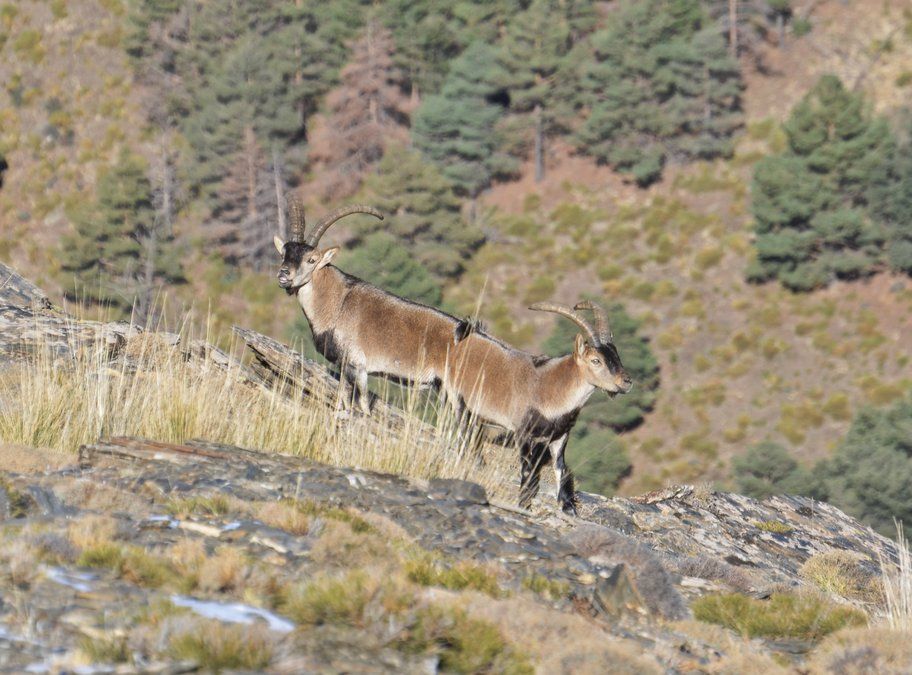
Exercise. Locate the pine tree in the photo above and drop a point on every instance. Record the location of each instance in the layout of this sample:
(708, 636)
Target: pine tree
(890, 197)
(810, 204)
(431, 34)
(660, 86)
(108, 253)
(532, 53)
(424, 212)
(457, 128)
(870, 473)
(767, 469)
(245, 217)
(384, 262)
(226, 69)
(367, 111)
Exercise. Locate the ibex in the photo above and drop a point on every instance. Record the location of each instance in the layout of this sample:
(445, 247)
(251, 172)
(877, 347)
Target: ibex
(359, 327)
(536, 398)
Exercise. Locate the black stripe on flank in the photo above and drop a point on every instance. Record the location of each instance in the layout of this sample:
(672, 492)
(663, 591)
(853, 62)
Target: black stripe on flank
(328, 346)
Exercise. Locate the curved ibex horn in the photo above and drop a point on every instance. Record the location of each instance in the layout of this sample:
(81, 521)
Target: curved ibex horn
(296, 220)
(601, 320)
(330, 218)
(575, 317)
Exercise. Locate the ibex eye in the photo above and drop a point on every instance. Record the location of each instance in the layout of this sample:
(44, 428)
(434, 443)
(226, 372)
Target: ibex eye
(596, 362)
(312, 261)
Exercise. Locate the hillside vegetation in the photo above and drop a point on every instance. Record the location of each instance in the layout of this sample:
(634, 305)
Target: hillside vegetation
(744, 206)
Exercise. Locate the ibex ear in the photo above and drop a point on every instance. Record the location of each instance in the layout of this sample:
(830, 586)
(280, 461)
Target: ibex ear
(328, 255)
(279, 244)
(580, 345)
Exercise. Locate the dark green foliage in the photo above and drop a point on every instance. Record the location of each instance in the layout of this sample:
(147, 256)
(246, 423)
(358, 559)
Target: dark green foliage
(384, 262)
(890, 196)
(533, 55)
(658, 85)
(811, 203)
(598, 458)
(423, 212)
(109, 252)
(870, 473)
(431, 33)
(457, 128)
(594, 449)
(767, 469)
(240, 80)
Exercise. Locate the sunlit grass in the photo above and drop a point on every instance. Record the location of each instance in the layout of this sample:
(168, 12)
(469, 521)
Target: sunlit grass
(897, 585)
(63, 404)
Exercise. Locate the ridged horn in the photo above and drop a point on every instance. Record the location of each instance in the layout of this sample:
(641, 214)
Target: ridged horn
(330, 218)
(575, 317)
(296, 223)
(601, 320)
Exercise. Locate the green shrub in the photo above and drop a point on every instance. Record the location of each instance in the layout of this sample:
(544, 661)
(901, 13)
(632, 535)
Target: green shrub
(331, 600)
(598, 457)
(870, 473)
(428, 570)
(463, 644)
(784, 615)
(27, 45)
(545, 587)
(767, 469)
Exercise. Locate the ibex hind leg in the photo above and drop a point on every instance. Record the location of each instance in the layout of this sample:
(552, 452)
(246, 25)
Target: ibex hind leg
(362, 392)
(348, 390)
(531, 459)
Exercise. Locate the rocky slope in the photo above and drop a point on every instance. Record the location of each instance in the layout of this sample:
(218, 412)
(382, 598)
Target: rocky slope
(141, 556)
(91, 550)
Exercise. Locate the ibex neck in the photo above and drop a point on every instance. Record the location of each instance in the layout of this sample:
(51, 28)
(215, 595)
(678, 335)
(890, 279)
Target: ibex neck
(563, 388)
(322, 297)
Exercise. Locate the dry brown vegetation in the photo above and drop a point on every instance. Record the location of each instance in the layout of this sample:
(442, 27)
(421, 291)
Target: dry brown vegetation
(62, 407)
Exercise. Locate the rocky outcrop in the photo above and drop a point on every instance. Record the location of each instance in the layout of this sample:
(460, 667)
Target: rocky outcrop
(17, 290)
(629, 568)
(119, 557)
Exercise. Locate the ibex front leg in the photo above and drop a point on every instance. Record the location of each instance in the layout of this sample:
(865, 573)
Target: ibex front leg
(566, 489)
(533, 455)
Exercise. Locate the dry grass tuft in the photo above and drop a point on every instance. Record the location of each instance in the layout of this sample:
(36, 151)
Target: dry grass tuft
(840, 572)
(215, 647)
(92, 531)
(863, 651)
(224, 571)
(188, 556)
(339, 545)
(897, 585)
(284, 517)
(740, 656)
(48, 404)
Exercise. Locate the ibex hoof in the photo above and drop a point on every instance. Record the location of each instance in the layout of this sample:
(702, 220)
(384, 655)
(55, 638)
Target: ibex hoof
(569, 508)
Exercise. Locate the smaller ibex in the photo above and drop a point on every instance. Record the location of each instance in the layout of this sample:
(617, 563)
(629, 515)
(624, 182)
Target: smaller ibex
(536, 398)
(356, 326)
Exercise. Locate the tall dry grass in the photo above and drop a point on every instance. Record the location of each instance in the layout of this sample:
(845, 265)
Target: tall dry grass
(897, 585)
(55, 404)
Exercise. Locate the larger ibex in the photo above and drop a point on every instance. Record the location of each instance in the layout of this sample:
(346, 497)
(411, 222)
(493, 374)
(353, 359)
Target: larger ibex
(537, 398)
(359, 327)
